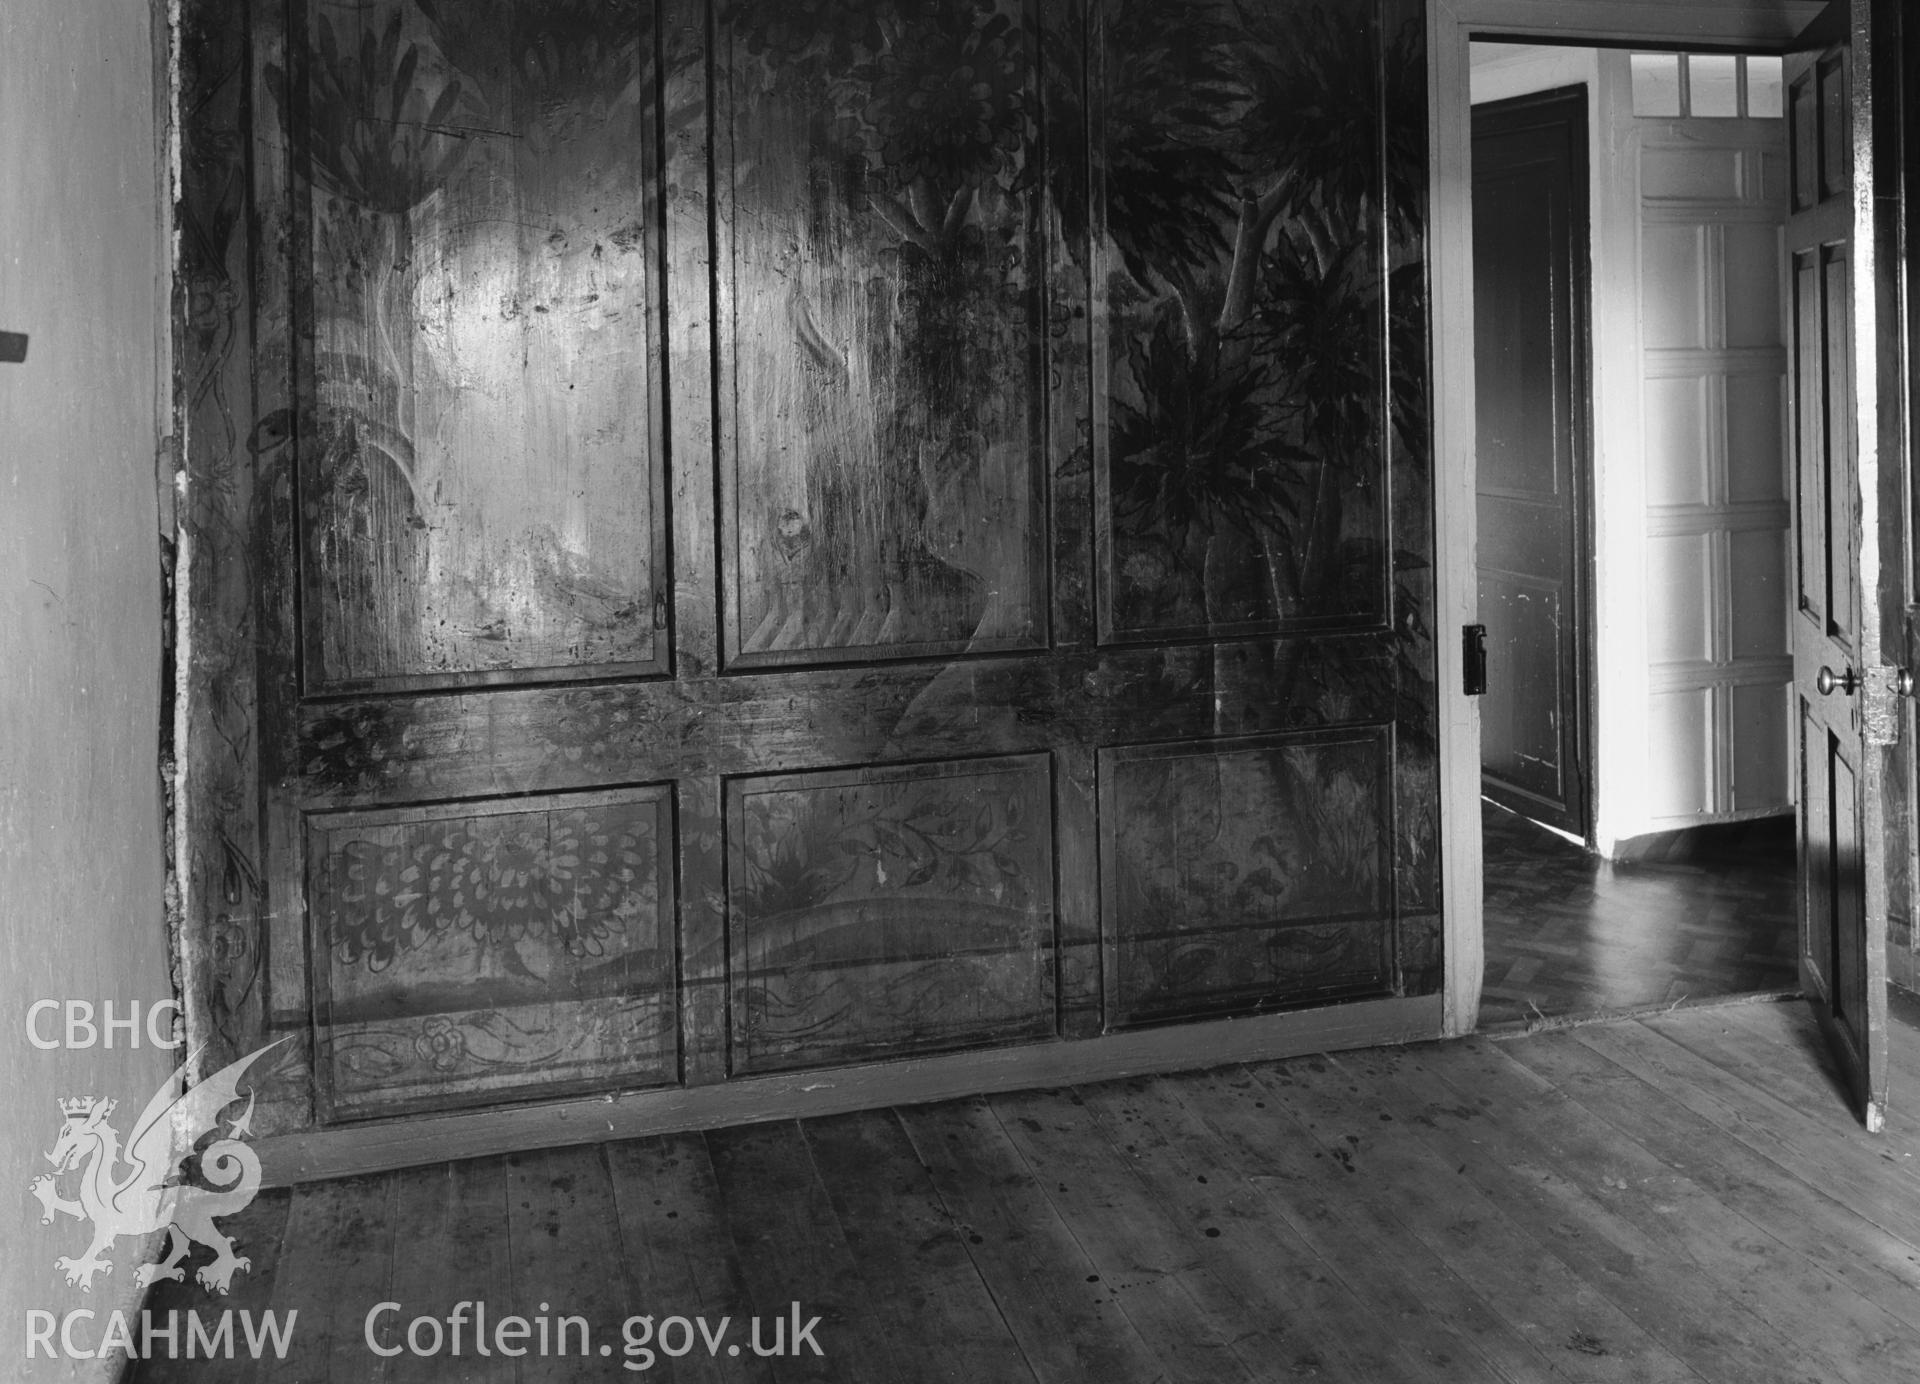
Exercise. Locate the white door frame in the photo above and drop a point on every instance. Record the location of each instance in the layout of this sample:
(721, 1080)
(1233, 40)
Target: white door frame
(1757, 24)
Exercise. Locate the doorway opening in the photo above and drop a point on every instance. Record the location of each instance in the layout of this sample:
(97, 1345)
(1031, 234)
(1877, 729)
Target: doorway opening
(1634, 522)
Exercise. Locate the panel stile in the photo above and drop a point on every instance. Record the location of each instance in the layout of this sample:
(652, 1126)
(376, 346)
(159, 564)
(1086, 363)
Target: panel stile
(698, 302)
(1076, 827)
(1418, 962)
(284, 421)
(701, 851)
(1072, 368)
(223, 893)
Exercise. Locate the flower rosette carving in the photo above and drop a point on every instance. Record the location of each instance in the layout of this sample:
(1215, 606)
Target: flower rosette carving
(441, 1044)
(569, 878)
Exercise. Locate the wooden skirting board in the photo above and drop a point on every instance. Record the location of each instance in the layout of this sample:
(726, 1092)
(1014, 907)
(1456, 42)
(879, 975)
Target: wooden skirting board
(342, 1152)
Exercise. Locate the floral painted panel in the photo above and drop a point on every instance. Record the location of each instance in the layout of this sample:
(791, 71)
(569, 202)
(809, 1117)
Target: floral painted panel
(1252, 187)
(884, 471)
(1271, 886)
(880, 912)
(471, 950)
(857, 419)
(481, 473)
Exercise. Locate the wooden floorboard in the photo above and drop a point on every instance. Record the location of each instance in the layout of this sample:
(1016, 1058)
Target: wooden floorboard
(1388, 1275)
(258, 1233)
(564, 1250)
(1567, 932)
(925, 1287)
(1423, 1204)
(447, 1249)
(1298, 1319)
(336, 1264)
(1154, 1266)
(678, 1256)
(1678, 1199)
(1680, 1232)
(1069, 1326)
(797, 1262)
(1877, 1265)
(1506, 1139)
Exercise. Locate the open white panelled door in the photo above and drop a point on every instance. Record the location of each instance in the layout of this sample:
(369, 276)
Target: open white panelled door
(1851, 710)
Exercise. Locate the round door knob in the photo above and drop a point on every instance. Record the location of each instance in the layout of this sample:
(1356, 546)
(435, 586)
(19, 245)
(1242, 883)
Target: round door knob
(1903, 682)
(1826, 681)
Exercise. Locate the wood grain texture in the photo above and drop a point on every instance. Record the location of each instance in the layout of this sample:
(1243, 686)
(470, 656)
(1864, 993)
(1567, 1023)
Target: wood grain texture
(675, 1250)
(1218, 908)
(563, 1239)
(1455, 586)
(885, 912)
(447, 1249)
(1568, 933)
(528, 945)
(1047, 1285)
(676, 402)
(259, 1236)
(1692, 1290)
(1682, 1200)
(431, 1137)
(482, 482)
(795, 1257)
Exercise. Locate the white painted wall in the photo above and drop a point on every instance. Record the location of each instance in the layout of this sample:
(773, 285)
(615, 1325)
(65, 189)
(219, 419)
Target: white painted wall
(1640, 773)
(81, 853)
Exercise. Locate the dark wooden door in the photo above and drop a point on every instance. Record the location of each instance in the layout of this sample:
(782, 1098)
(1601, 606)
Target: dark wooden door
(732, 539)
(1854, 822)
(1533, 473)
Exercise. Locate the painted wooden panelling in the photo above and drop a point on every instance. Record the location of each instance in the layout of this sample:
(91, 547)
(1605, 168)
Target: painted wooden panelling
(1241, 450)
(680, 480)
(885, 912)
(482, 475)
(473, 953)
(883, 428)
(1269, 888)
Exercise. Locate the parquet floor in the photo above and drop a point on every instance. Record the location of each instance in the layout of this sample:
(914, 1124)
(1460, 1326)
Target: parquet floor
(1680, 1199)
(1569, 933)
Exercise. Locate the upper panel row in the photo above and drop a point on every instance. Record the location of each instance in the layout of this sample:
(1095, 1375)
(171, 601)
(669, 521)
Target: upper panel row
(995, 367)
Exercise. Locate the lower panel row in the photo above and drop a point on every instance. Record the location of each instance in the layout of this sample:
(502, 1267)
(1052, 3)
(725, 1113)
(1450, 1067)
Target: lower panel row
(469, 953)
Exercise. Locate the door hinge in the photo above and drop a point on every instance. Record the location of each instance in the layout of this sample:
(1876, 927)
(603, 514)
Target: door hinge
(1473, 660)
(1880, 703)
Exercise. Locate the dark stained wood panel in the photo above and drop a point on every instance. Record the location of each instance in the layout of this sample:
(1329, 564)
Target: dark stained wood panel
(477, 950)
(1853, 517)
(1533, 479)
(883, 464)
(879, 912)
(482, 472)
(1267, 889)
(1241, 444)
(821, 527)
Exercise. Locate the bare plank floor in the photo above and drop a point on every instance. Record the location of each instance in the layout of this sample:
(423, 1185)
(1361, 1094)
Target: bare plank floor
(1675, 1199)
(1570, 933)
